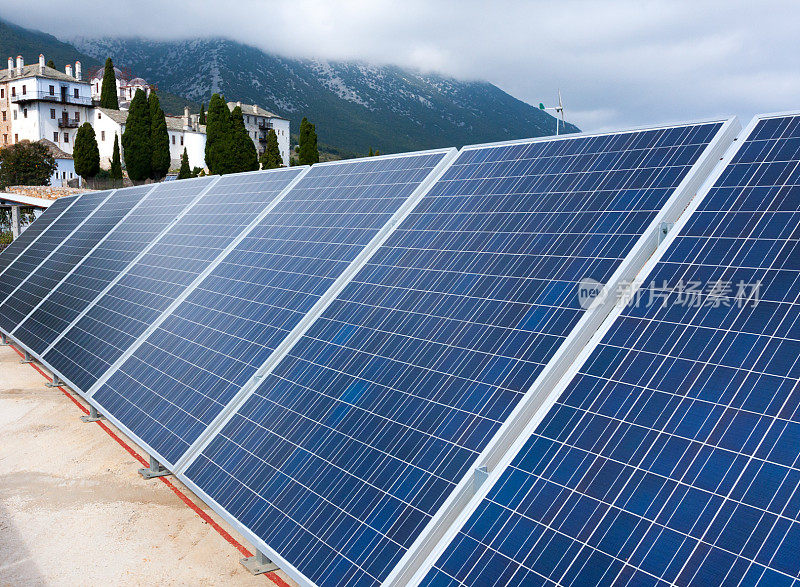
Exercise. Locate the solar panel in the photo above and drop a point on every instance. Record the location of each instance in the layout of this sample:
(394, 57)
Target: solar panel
(181, 254)
(340, 458)
(672, 456)
(187, 370)
(104, 264)
(68, 254)
(30, 234)
(39, 250)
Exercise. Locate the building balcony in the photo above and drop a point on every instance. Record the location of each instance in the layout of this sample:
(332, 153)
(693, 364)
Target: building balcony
(68, 123)
(54, 98)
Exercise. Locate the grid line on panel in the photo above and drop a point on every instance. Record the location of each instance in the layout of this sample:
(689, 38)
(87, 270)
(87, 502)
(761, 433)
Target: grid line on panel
(48, 243)
(36, 287)
(30, 234)
(673, 453)
(194, 363)
(410, 371)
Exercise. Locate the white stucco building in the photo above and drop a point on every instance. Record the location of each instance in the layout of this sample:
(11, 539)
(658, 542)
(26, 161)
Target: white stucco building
(184, 132)
(258, 122)
(39, 102)
(65, 169)
(126, 86)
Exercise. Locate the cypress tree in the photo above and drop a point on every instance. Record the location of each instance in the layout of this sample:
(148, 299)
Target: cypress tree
(136, 146)
(244, 154)
(218, 136)
(108, 92)
(85, 152)
(184, 172)
(370, 154)
(51, 64)
(272, 155)
(202, 119)
(116, 162)
(309, 153)
(159, 139)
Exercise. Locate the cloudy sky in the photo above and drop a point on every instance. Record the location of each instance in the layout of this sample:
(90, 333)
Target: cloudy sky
(618, 63)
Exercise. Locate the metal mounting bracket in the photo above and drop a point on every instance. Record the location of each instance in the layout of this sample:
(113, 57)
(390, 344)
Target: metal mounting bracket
(93, 415)
(663, 230)
(156, 469)
(56, 382)
(481, 475)
(258, 564)
(27, 358)
(4, 339)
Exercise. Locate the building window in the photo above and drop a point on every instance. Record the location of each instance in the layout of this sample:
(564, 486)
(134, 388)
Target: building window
(181, 140)
(98, 116)
(15, 114)
(75, 92)
(4, 115)
(55, 137)
(173, 139)
(102, 135)
(24, 113)
(24, 89)
(5, 139)
(66, 137)
(16, 138)
(52, 113)
(77, 117)
(2, 92)
(52, 90)
(13, 91)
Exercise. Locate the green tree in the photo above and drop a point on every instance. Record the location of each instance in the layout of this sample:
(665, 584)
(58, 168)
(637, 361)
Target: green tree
(309, 153)
(202, 119)
(271, 158)
(159, 139)
(184, 172)
(244, 154)
(85, 152)
(136, 147)
(219, 150)
(108, 92)
(26, 163)
(51, 64)
(116, 161)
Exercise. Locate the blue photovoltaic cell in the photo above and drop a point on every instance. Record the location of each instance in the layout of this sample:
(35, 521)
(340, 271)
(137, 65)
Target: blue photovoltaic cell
(147, 288)
(188, 369)
(56, 234)
(29, 235)
(673, 457)
(103, 265)
(356, 438)
(14, 309)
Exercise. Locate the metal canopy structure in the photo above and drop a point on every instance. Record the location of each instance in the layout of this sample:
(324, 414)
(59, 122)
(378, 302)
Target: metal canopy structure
(356, 364)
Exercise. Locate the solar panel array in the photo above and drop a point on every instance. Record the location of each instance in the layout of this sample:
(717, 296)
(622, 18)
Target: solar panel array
(673, 455)
(342, 455)
(324, 354)
(187, 370)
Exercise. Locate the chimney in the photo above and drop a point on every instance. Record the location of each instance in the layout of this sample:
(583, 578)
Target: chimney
(41, 63)
(68, 70)
(10, 66)
(78, 71)
(186, 119)
(239, 104)
(20, 64)
(255, 109)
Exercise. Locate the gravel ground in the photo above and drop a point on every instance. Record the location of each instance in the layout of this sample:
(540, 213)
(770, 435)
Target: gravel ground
(74, 510)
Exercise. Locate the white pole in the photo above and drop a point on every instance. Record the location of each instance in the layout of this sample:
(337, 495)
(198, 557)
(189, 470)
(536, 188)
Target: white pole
(15, 222)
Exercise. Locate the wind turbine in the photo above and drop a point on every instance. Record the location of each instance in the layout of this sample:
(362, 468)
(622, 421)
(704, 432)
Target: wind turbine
(558, 110)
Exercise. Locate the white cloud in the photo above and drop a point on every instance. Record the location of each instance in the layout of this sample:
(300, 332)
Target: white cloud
(618, 63)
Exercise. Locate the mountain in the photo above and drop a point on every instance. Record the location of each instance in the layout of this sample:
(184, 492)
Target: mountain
(354, 105)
